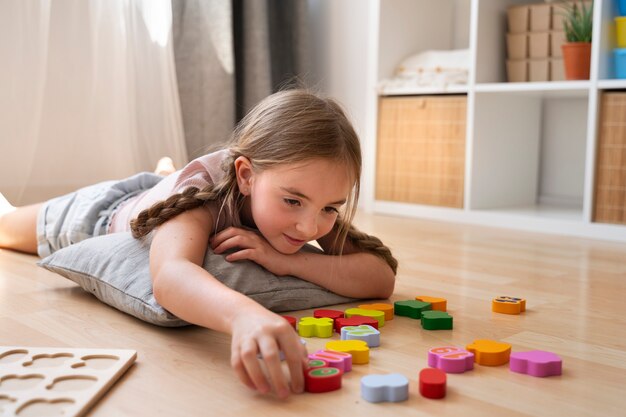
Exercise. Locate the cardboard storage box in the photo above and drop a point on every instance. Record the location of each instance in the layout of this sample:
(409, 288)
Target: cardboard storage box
(539, 70)
(517, 45)
(517, 70)
(557, 69)
(540, 17)
(557, 38)
(517, 18)
(539, 44)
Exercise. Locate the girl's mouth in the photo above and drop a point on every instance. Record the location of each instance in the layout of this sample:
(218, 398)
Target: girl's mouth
(294, 242)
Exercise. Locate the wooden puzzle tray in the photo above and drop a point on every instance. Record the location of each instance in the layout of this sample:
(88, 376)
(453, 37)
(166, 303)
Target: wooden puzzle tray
(36, 381)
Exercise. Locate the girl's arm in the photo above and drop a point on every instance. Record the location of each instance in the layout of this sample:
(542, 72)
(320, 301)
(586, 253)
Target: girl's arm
(353, 274)
(183, 287)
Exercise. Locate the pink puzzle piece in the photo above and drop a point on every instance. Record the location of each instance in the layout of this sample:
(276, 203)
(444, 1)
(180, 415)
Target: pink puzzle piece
(536, 363)
(451, 359)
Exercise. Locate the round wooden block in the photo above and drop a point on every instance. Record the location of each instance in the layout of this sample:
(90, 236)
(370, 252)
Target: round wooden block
(432, 383)
(322, 379)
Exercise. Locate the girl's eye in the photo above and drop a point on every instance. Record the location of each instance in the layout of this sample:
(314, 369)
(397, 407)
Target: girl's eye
(331, 210)
(291, 202)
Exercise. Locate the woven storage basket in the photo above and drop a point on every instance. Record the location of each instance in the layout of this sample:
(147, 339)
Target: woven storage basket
(610, 186)
(421, 150)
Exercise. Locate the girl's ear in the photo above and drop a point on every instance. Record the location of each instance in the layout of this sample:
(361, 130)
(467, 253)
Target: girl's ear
(243, 170)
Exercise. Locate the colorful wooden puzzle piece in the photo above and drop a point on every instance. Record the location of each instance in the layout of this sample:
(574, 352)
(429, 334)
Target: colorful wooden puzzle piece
(536, 363)
(432, 383)
(385, 308)
(355, 321)
(436, 320)
(331, 314)
(335, 359)
(375, 314)
(291, 320)
(314, 327)
(411, 308)
(508, 305)
(322, 379)
(490, 352)
(451, 359)
(436, 303)
(357, 348)
(317, 363)
(378, 388)
(366, 333)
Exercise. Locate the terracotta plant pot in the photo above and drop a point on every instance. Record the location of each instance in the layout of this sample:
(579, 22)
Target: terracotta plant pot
(576, 58)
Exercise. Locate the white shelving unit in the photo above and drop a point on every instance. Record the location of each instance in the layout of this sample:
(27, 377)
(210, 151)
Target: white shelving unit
(530, 146)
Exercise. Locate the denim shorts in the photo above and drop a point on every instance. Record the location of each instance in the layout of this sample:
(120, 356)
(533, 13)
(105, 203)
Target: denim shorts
(87, 212)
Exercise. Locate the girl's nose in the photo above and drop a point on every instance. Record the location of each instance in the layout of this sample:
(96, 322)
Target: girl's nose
(307, 226)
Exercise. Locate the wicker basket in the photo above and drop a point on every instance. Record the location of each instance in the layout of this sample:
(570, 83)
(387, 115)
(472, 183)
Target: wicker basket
(610, 186)
(421, 150)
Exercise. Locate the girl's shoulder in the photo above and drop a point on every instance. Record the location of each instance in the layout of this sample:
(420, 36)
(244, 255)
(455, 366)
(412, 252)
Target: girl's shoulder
(202, 171)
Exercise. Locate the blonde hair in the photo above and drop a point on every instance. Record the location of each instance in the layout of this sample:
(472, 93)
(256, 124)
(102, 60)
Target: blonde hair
(287, 127)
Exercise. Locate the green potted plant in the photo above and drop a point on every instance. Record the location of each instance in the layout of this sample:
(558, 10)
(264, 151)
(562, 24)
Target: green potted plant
(577, 24)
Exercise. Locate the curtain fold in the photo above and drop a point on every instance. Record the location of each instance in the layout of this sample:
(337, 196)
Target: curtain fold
(87, 93)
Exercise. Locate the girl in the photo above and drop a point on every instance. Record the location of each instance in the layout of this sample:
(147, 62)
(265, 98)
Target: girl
(289, 176)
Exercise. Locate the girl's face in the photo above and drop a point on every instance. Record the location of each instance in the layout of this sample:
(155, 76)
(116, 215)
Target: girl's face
(293, 204)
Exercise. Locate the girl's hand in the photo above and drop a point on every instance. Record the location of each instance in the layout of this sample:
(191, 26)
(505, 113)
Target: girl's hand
(251, 246)
(261, 331)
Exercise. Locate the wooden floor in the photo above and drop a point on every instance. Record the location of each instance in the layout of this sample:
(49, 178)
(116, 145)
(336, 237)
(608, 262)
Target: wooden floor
(575, 291)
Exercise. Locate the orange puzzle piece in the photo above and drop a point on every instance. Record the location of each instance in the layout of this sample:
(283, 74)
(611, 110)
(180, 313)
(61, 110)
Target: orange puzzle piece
(387, 309)
(508, 305)
(436, 303)
(490, 352)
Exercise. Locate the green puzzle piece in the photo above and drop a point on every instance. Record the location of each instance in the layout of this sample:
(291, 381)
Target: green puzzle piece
(436, 320)
(410, 308)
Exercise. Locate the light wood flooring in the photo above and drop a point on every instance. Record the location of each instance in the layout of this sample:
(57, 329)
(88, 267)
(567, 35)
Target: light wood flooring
(575, 291)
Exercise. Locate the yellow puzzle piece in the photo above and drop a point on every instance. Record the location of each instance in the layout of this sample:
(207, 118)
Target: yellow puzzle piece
(315, 327)
(375, 314)
(357, 348)
(490, 352)
(387, 309)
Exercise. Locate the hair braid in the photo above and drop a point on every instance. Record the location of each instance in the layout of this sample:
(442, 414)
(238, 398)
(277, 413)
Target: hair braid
(368, 243)
(162, 211)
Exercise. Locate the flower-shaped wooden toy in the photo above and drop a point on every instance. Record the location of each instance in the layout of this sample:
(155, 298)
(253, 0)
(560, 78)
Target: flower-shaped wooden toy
(313, 327)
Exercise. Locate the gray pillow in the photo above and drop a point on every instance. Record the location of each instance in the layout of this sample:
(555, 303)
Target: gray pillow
(115, 268)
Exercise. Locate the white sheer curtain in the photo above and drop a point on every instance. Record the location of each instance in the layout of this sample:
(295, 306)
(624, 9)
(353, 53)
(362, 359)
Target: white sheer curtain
(87, 93)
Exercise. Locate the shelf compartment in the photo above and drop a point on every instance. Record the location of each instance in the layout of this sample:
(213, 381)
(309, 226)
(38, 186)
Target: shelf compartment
(529, 151)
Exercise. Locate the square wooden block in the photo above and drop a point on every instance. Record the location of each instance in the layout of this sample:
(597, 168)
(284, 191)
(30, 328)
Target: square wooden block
(517, 45)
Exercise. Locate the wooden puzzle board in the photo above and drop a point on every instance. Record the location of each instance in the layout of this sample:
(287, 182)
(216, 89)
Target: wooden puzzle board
(38, 381)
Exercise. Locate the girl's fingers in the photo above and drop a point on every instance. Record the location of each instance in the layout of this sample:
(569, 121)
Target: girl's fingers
(232, 242)
(240, 370)
(248, 353)
(240, 255)
(271, 357)
(296, 357)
